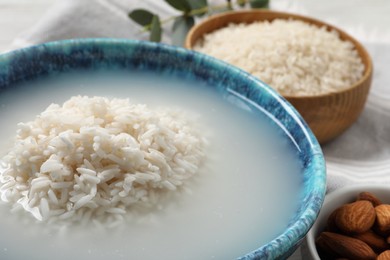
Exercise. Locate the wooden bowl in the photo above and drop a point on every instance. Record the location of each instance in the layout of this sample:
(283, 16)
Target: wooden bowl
(328, 115)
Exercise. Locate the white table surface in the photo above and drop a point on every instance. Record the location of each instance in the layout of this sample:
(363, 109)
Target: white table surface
(17, 16)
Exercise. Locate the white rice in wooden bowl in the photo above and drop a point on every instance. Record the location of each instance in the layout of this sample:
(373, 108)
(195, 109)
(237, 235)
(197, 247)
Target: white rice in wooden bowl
(294, 57)
(95, 158)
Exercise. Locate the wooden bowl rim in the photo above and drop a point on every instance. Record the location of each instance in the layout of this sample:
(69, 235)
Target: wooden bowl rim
(364, 55)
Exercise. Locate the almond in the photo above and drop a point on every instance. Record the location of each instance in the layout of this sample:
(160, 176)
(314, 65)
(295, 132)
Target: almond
(369, 197)
(356, 217)
(331, 222)
(383, 218)
(344, 246)
(385, 255)
(324, 251)
(375, 241)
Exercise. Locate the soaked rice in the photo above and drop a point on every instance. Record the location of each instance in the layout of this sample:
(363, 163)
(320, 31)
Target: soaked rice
(95, 158)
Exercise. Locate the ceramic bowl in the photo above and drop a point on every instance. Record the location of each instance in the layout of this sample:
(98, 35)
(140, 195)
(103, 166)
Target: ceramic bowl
(328, 115)
(100, 54)
(334, 200)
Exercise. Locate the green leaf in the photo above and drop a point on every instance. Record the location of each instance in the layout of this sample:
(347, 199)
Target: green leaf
(141, 16)
(180, 28)
(259, 3)
(181, 5)
(199, 7)
(197, 4)
(241, 3)
(155, 29)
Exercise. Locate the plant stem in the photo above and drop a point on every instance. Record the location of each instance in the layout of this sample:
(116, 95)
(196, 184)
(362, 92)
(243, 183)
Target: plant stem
(147, 27)
(199, 11)
(208, 8)
(191, 13)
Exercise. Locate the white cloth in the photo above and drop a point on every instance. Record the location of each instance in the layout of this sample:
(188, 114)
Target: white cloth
(361, 154)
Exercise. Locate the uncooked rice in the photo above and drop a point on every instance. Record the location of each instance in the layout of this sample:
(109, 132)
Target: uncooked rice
(96, 158)
(294, 57)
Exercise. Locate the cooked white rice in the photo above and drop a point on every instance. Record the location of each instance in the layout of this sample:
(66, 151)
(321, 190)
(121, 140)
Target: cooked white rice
(95, 158)
(292, 56)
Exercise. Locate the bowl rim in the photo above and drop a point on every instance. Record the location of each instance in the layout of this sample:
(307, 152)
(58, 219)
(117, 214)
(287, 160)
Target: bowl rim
(315, 170)
(368, 68)
(339, 194)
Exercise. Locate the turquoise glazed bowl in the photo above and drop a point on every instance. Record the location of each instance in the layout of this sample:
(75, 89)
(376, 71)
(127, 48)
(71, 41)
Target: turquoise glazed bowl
(99, 54)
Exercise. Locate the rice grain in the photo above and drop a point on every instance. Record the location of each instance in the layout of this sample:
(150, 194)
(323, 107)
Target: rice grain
(294, 57)
(96, 158)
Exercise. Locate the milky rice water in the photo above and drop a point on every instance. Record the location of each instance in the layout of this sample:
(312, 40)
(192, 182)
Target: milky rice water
(222, 211)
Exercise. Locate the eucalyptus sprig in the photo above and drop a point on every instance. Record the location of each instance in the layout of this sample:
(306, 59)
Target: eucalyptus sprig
(182, 23)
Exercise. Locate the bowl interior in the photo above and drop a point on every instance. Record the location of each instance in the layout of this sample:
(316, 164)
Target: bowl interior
(334, 200)
(97, 54)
